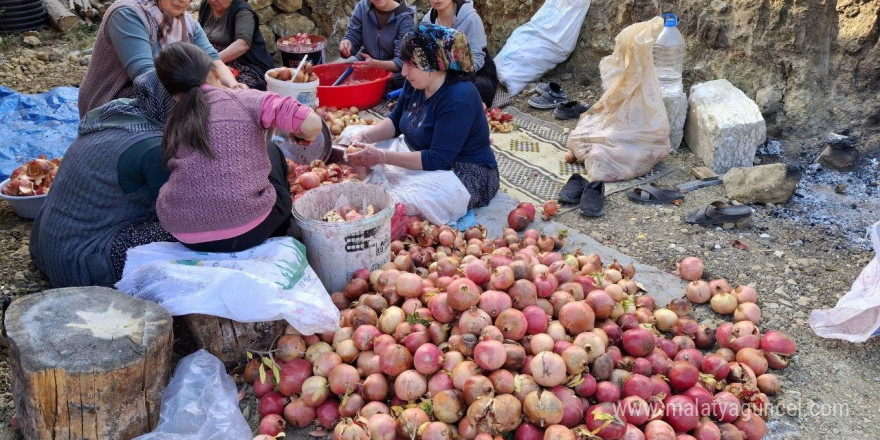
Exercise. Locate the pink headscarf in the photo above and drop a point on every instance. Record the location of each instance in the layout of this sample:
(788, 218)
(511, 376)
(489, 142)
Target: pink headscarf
(170, 30)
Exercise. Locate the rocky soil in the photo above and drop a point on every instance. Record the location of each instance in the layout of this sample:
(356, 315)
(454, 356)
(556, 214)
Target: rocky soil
(800, 256)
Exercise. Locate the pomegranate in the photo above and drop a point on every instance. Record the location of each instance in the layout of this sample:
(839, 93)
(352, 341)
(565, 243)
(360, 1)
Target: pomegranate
(272, 424)
(490, 355)
(778, 348)
(747, 311)
(271, 403)
(298, 414)
(543, 408)
(725, 407)
(374, 388)
(463, 294)
(577, 317)
(638, 342)
(292, 376)
(744, 294)
(690, 269)
(605, 421)
(768, 384)
(682, 375)
(698, 292)
(518, 219)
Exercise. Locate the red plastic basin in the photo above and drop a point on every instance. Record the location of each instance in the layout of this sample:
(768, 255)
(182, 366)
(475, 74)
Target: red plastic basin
(362, 95)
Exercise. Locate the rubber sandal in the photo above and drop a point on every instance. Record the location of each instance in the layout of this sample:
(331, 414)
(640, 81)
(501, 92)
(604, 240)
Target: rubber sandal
(652, 194)
(718, 212)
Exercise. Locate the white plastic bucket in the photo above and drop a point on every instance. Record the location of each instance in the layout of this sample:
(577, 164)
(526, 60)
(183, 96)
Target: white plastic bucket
(336, 250)
(306, 93)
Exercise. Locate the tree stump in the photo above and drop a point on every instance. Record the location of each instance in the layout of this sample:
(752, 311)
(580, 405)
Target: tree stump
(228, 339)
(87, 363)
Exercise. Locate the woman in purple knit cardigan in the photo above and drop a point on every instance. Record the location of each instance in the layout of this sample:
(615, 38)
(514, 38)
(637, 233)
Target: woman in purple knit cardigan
(228, 190)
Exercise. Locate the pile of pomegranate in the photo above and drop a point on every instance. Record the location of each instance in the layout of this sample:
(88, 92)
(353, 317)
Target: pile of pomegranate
(499, 120)
(338, 119)
(33, 178)
(464, 336)
(303, 177)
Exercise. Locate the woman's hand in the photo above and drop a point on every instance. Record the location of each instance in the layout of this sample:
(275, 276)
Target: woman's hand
(367, 157)
(361, 137)
(309, 129)
(345, 48)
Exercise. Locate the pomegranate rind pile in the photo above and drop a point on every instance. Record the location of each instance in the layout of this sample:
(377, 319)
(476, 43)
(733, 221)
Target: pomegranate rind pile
(499, 120)
(303, 177)
(463, 336)
(33, 178)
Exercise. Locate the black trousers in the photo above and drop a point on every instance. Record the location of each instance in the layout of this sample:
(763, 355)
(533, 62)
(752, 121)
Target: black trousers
(275, 225)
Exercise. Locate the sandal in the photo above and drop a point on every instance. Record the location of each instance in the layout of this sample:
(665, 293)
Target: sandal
(652, 194)
(718, 212)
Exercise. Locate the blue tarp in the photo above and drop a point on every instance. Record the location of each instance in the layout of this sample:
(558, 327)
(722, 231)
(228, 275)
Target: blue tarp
(31, 125)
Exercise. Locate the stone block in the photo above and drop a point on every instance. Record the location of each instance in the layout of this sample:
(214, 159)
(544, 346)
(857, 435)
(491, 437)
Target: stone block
(724, 127)
(291, 24)
(269, 36)
(266, 15)
(259, 4)
(773, 183)
(288, 5)
(838, 159)
(676, 111)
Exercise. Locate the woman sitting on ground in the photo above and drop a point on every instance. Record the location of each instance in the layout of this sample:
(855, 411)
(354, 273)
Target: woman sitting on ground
(374, 34)
(228, 189)
(234, 30)
(103, 199)
(439, 114)
(461, 15)
(132, 32)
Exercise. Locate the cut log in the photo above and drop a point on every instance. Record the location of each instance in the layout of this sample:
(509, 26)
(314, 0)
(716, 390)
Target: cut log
(87, 362)
(229, 340)
(60, 17)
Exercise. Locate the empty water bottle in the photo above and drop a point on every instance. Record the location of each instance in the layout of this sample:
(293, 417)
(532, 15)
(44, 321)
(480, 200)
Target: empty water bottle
(669, 56)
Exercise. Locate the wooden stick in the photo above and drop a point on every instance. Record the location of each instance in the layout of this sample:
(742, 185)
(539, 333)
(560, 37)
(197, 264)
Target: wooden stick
(60, 16)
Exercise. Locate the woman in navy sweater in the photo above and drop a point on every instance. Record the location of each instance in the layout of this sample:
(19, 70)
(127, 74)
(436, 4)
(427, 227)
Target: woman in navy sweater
(440, 115)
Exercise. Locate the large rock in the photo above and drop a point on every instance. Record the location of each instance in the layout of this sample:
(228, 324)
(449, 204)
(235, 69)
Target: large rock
(676, 111)
(266, 15)
(259, 4)
(840, 153)
(773, 183)
(724, 127)
(291, 24)
(288, 5)
(269, 36)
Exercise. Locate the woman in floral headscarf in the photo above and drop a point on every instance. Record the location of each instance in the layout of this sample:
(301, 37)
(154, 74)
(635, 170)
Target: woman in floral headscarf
(440, 115)
(132, 33)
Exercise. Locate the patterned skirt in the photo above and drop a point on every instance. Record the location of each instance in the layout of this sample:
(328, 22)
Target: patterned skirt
(481, 182)
(247, 75)
(131, 236)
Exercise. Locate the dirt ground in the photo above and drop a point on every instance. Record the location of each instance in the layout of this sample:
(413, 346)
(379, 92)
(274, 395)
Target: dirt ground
(800, 256)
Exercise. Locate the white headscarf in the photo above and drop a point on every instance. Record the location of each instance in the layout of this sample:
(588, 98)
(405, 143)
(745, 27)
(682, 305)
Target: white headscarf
(170, 30)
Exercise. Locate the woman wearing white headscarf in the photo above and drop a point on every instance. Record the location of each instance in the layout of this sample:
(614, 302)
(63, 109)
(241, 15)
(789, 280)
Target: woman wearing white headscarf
(132, 33)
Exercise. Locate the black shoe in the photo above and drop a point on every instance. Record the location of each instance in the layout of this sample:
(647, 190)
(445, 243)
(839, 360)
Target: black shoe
(569, 110)
(549, 98)
(592, 203)
(572, 190)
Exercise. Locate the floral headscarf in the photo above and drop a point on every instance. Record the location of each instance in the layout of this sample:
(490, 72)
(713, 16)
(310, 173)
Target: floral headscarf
(170, 29)
(432, 47)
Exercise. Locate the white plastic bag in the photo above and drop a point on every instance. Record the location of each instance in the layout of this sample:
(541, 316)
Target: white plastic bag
(437, 196)
(200, 403)
(269, 282)
(856, 317)
(542, 43)
(626, 133)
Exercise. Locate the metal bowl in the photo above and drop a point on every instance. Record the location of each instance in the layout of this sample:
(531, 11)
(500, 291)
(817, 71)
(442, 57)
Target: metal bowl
(320, 148)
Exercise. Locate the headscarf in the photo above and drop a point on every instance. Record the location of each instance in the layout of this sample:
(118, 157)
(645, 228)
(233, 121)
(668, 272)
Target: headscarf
(432, 47)
(145, 112)
(170, 30)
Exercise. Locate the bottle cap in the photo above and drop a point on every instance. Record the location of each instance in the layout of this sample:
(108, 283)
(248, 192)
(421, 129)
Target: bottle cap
(671, 20)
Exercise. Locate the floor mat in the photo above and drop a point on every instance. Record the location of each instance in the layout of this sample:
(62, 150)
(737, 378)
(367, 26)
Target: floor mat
(531, 160)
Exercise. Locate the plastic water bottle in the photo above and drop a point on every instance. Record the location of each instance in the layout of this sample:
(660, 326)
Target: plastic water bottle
(669, 56)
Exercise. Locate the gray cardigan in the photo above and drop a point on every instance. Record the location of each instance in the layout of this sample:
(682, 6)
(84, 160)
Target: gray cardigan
(380, 43)
(468, 21)
(71, 236)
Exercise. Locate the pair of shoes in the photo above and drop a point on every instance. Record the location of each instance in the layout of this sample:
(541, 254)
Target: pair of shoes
(548, 96)
(590, 196)
(569, 110)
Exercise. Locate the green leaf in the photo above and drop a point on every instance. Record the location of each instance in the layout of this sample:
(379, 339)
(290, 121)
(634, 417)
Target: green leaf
(262, 370)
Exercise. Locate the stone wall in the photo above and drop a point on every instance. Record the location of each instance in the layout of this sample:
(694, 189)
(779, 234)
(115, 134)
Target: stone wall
(811, 65)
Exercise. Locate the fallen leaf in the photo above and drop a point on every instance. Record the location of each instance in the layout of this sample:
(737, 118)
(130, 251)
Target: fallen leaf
(739, 245)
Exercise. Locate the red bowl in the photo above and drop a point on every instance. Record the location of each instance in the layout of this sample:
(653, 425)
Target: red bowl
(365, 94)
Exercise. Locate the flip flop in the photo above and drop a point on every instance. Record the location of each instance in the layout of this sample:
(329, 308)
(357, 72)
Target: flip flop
(652, 194)
(718, 212)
